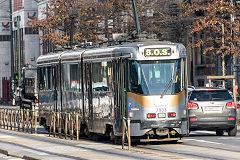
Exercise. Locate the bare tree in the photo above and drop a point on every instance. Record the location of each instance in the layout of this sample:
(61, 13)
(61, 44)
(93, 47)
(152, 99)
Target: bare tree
(91, 20)
(160, 18)
(217, 20)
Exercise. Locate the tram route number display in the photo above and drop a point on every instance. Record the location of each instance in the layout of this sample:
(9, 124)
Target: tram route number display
(151, 52)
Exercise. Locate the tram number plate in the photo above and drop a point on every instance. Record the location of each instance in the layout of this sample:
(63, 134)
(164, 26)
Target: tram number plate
(152, 52)
(161, 110)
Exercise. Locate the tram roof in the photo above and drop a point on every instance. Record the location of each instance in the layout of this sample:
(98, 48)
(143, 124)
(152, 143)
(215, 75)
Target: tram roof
(49, 58)
(129, 46)
(70, 55)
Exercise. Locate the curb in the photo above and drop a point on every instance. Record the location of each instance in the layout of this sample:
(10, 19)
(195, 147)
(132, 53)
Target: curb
(29, 158)
(2, 151)
(5, 152)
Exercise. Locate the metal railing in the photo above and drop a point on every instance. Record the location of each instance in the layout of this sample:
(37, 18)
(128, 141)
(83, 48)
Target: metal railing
(19, 120)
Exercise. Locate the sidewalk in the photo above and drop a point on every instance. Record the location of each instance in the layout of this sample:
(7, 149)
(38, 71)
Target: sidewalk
(7, 105)
(42, 147)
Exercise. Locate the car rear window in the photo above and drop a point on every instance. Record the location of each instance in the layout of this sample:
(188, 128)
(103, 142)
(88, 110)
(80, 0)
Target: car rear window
(216, 95)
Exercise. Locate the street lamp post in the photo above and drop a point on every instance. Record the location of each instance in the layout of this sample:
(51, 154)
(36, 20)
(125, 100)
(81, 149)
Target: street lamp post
(73, 13)
(12, 53)
(19, 52)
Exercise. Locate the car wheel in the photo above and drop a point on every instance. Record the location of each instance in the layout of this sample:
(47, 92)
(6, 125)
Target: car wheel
(219, 132)
(232, 131)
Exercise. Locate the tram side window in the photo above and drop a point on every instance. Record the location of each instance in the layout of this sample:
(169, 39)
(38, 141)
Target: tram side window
(45, 78)
(49, 78)
(41, 78)
(66, 76)
(101, 76)
(74, 77)
(71, 77)
(177, 80)
(135, 83)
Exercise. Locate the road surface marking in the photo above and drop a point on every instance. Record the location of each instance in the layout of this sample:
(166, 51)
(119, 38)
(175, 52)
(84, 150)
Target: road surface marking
(36, 152)
(238, 138)
(5, 136)
(199, 140)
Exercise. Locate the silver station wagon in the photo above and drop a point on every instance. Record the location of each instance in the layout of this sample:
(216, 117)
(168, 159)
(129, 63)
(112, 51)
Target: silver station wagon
(212, 109)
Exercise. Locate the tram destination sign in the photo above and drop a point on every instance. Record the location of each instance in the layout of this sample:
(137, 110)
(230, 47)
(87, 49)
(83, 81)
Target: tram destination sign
(153, 52)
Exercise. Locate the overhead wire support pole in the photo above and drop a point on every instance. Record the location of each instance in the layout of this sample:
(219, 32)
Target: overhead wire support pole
(136, 17)
(235, 59)
(19, 53)
(11, 44)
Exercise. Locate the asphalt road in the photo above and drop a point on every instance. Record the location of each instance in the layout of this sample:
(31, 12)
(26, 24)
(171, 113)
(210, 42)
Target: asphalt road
(199, 145)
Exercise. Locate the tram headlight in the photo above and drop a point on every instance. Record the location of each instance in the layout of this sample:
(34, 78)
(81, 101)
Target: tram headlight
(151, 115)
(171, 114)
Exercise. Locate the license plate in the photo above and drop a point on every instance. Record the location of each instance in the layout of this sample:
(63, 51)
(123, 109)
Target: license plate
(213, 108)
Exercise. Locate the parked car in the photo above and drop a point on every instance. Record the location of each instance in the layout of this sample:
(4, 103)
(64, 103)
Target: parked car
(212, 109)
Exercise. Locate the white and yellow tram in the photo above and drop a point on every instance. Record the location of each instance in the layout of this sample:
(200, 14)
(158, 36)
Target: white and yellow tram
(144, 81)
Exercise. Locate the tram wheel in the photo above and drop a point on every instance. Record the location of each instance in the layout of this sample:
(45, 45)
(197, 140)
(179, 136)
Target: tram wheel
(112, 137)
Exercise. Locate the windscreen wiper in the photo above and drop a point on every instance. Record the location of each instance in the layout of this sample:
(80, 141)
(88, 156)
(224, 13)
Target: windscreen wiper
(167, 87)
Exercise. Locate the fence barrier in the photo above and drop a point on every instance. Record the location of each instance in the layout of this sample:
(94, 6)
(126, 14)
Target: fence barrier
(65, 123)
(126, 133)
(69, 124)
(18, 120)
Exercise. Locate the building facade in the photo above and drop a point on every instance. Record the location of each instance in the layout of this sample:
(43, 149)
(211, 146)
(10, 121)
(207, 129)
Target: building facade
(5, 52)
(25, 39)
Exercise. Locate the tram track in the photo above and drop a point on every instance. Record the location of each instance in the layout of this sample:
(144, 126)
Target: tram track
(162, 148)
(178, 153)
(233, 149)
(85, 146)
(159, 149)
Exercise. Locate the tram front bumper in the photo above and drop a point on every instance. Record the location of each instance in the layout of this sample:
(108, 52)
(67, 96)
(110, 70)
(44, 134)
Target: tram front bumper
(161, 124)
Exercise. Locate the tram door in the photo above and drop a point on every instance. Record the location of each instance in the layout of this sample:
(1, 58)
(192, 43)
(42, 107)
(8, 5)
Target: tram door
(88, 96)
(120, 85)
(55, 81)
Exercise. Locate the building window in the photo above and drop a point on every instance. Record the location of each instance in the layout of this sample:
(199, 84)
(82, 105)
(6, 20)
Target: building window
(17, 4)
(203, 57)
(5, 37)
(29, 30)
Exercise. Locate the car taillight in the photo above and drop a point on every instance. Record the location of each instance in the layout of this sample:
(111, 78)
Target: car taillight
(230, 105)
(151, 115)
(193, 119)
(231, 118)
(192, 105)
(238, 106)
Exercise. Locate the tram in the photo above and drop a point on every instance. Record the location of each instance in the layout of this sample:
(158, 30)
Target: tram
(144, 81)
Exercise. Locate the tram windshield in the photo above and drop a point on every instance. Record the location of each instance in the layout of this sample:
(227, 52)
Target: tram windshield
(155, 77)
